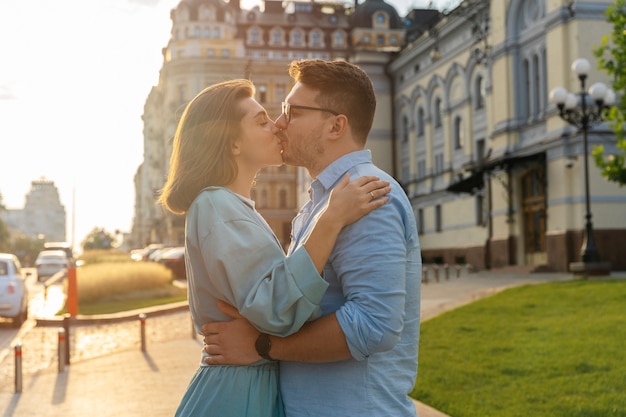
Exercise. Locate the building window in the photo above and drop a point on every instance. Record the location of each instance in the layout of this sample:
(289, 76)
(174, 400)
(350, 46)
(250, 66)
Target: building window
(458, 133)
(282, 199)
(420, 221)
(296, 38)
(316, 39)
(421, 168)
(262, 93)
(339, 39)
(277, 37)
(438, 163)
(380, 39)
(254, 36)
(381, 20)
(438, 219)
(479, 93)
(420, 122)
(225, 53)
(480, 210)
(437, 112)
(405, 129)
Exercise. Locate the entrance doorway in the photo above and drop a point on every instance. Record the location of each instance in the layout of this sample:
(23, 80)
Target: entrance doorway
(534, 216)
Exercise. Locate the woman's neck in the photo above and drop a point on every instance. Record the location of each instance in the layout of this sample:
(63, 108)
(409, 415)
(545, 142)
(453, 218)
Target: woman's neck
(243, 183)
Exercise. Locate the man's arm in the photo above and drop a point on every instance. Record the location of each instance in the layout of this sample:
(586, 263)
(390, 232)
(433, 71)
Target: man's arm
(232, 342)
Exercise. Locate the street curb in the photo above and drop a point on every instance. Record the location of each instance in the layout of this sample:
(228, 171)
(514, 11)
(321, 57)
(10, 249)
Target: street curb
(114, 317)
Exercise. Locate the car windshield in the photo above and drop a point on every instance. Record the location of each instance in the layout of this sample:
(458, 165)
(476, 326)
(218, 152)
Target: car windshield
(4, 268)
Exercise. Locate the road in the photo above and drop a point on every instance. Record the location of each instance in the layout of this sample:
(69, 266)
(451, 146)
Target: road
(42, 304)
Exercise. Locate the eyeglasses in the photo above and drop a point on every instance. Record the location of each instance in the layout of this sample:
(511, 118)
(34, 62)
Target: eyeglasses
(288, 107)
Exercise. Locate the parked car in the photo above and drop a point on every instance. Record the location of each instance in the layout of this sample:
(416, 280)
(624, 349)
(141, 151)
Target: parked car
(13, 290)
(64, 246)
(174, 259)
(145, 253)
(49, 262)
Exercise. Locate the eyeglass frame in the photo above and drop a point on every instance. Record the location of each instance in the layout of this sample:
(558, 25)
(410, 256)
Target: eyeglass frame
(286, 110)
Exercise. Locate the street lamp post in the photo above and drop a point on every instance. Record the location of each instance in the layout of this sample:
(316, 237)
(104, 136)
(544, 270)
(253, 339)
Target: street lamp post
(578, 110)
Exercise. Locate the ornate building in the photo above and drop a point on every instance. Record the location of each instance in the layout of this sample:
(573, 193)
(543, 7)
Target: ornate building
(462, 121)
(43, 216)
(212, 41)
(495, 176)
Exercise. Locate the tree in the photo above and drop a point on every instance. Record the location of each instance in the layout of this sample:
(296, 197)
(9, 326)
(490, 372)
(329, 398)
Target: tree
(98, 238)
(612, 59)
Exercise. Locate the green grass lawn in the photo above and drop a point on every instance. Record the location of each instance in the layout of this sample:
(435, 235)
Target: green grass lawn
(546, 350)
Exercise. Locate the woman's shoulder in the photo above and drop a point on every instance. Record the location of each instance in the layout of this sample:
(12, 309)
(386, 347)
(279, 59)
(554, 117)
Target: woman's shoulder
(217, 200)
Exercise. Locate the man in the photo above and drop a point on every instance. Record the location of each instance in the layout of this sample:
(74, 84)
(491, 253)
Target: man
(360, 358)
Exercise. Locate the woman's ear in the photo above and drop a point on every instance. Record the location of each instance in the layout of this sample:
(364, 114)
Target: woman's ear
(235, 148)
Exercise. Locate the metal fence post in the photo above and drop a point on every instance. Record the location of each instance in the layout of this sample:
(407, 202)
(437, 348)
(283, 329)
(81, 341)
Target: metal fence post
(62, 347)
(18, 367)
(142, 322)
(66, 327)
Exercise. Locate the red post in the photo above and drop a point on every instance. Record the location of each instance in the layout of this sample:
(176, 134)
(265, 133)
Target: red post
(72, 292)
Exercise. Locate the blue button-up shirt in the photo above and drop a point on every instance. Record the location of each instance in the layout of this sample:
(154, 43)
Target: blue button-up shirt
(374, 276)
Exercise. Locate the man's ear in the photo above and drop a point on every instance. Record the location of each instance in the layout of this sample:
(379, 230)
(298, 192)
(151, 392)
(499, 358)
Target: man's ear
(339, 125)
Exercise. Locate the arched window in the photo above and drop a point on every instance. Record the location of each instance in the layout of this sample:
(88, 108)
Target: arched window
(437, 112)
(316, 38)
(479, 93)
(420, 121)
(339, 39)
(254, 36)
(277, 37)
(458, 132)
(296, 38)
(405, 129)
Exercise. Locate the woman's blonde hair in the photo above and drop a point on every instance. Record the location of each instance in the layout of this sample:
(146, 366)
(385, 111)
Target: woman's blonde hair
(201, 151)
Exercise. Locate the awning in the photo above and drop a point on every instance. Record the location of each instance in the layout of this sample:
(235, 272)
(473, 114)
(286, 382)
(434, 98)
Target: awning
(470, 185)
(475, 181)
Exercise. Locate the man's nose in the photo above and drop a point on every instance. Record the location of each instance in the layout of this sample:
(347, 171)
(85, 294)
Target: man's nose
(281, 122)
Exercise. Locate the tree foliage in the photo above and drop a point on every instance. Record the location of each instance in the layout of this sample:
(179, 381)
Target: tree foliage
(98, 238)
(612, 59)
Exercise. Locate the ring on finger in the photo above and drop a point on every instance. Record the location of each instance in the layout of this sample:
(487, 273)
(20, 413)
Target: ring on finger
(372, 194)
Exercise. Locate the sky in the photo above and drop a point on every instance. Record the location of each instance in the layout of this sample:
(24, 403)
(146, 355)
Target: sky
(74, 77)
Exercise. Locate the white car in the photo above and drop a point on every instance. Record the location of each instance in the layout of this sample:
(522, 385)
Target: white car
(13, 290)
(49, 262)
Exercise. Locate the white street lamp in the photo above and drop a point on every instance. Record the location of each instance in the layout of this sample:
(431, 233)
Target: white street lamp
(576, 110)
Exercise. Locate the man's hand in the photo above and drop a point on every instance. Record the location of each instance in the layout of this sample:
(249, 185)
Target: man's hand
(230, 342)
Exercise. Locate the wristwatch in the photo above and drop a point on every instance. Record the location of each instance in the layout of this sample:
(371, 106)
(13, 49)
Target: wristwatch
(263, 345)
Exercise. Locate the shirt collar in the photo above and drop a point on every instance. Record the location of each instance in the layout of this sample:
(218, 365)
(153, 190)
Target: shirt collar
(335, 171)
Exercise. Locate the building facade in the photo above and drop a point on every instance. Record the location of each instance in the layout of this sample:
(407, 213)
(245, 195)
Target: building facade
(463, 119)
(43, 216)
(213, 41)
(495, 175)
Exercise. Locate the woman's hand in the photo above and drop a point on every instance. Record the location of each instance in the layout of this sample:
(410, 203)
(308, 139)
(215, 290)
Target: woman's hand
(349, 201)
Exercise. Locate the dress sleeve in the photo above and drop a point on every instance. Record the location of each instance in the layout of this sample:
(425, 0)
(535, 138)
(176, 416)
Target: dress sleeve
(276, 293)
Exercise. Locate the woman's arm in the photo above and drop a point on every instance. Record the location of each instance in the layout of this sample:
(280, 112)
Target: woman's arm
(349, 201)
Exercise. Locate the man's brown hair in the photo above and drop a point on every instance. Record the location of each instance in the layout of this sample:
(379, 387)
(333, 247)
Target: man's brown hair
(343, 87)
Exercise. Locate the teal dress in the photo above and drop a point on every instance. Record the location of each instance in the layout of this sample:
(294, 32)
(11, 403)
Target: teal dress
(233, 255)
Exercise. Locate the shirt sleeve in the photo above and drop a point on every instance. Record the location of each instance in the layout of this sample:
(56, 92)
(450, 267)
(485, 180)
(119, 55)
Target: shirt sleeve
(370, 263)
(275, 292)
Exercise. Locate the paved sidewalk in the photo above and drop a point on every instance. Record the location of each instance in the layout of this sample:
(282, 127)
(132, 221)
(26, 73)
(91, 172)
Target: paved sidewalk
(109, 374)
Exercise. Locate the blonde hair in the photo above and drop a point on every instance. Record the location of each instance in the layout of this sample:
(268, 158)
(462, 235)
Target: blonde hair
(201, 151)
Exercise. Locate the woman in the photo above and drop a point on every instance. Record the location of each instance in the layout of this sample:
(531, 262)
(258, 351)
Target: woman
(223, 139)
